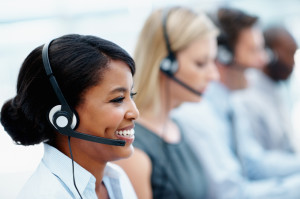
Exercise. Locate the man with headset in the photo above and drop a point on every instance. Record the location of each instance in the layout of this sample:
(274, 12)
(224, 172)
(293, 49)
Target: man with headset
(211, 126)
(264, 104)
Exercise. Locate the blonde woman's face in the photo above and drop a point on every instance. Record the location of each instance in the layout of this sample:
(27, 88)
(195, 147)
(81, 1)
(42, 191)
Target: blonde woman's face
(196, 69)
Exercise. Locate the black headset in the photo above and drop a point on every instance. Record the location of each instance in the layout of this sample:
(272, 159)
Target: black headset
(272, 55)
(225, 54)
(169, 64)
(61, 116)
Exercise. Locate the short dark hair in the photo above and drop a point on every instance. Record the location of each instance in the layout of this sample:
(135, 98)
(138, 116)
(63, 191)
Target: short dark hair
(78, 63)
(231, 22)
(273, 34)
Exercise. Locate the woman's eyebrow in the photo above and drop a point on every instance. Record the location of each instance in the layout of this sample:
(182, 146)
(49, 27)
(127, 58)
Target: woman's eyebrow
(118, 90)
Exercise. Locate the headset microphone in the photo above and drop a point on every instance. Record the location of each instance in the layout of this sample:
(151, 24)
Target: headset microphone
(62, 116)
(169, 64)
(183, 84)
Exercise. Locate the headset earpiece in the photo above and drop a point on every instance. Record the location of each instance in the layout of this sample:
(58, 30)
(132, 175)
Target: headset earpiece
(60, 118)
(272, 56)
(169, 65)
(224, 52)
(224, 55)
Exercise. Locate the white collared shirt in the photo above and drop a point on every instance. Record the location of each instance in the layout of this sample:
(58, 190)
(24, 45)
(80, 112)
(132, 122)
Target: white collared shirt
(53, 179)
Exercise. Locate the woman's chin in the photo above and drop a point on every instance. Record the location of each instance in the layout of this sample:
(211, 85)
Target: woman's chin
(194, 99)
(127, 151)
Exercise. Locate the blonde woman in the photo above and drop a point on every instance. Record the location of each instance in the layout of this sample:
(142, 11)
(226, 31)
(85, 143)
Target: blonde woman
(175, 62)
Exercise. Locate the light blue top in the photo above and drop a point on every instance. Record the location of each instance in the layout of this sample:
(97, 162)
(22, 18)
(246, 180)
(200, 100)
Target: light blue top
(208, 129)
(264, 129)
(53, 179)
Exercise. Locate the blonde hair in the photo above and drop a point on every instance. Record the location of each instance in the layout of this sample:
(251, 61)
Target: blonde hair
(183, 27)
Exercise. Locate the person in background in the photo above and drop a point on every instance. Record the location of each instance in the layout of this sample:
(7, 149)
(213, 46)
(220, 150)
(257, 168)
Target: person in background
(211, 126)
(282, 47)
(93, 83)
(265, 107)
(175, 56)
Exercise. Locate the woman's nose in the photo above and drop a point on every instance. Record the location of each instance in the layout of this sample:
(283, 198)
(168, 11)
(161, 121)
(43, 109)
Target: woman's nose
(133, 112)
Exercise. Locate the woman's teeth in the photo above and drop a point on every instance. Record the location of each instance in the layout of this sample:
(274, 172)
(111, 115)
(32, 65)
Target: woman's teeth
(126, 133)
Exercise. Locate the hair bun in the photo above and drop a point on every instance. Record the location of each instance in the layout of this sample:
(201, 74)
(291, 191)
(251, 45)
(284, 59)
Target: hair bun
(17, 125)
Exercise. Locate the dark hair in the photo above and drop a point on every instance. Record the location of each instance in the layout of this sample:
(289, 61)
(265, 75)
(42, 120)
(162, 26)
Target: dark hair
(281, 47)
(231, 22)
(273, 34)
(78, 63)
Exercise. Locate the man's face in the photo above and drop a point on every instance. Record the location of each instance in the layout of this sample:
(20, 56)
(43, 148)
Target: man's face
(249, 49)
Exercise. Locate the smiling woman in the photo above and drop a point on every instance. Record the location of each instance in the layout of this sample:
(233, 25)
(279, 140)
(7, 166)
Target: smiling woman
(96, 81)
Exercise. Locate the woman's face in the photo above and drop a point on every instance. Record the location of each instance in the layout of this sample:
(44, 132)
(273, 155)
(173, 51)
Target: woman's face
(196, 69)
(108, 111)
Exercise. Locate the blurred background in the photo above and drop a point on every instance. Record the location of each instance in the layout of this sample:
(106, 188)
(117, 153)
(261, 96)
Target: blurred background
(25, 25)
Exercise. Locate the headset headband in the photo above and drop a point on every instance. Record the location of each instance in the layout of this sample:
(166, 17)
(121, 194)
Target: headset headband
(165, 16)
(46, 63)
(66, 110)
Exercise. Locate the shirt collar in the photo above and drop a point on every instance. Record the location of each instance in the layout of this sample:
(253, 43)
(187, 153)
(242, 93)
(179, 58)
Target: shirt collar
(61, 166)
(111, 171)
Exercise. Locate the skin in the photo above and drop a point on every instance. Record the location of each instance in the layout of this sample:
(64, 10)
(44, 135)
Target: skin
(106, 108)
(249, 53)
(249, 49)
(197, 69)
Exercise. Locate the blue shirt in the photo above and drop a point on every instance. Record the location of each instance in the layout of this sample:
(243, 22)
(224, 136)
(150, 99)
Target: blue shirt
(53, 179)
(208, 129)
(264, 129)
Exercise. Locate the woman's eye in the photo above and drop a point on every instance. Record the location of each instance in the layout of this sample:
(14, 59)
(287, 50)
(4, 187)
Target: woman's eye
(133, 94)
(118, 100)
(121, 98)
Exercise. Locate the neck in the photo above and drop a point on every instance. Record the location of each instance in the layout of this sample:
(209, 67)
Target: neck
(94, 167)
(97, 171)
(101, 191)
(157, 119)
(168, 100)
(166, 129)
(232, 77)
(154, 121)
